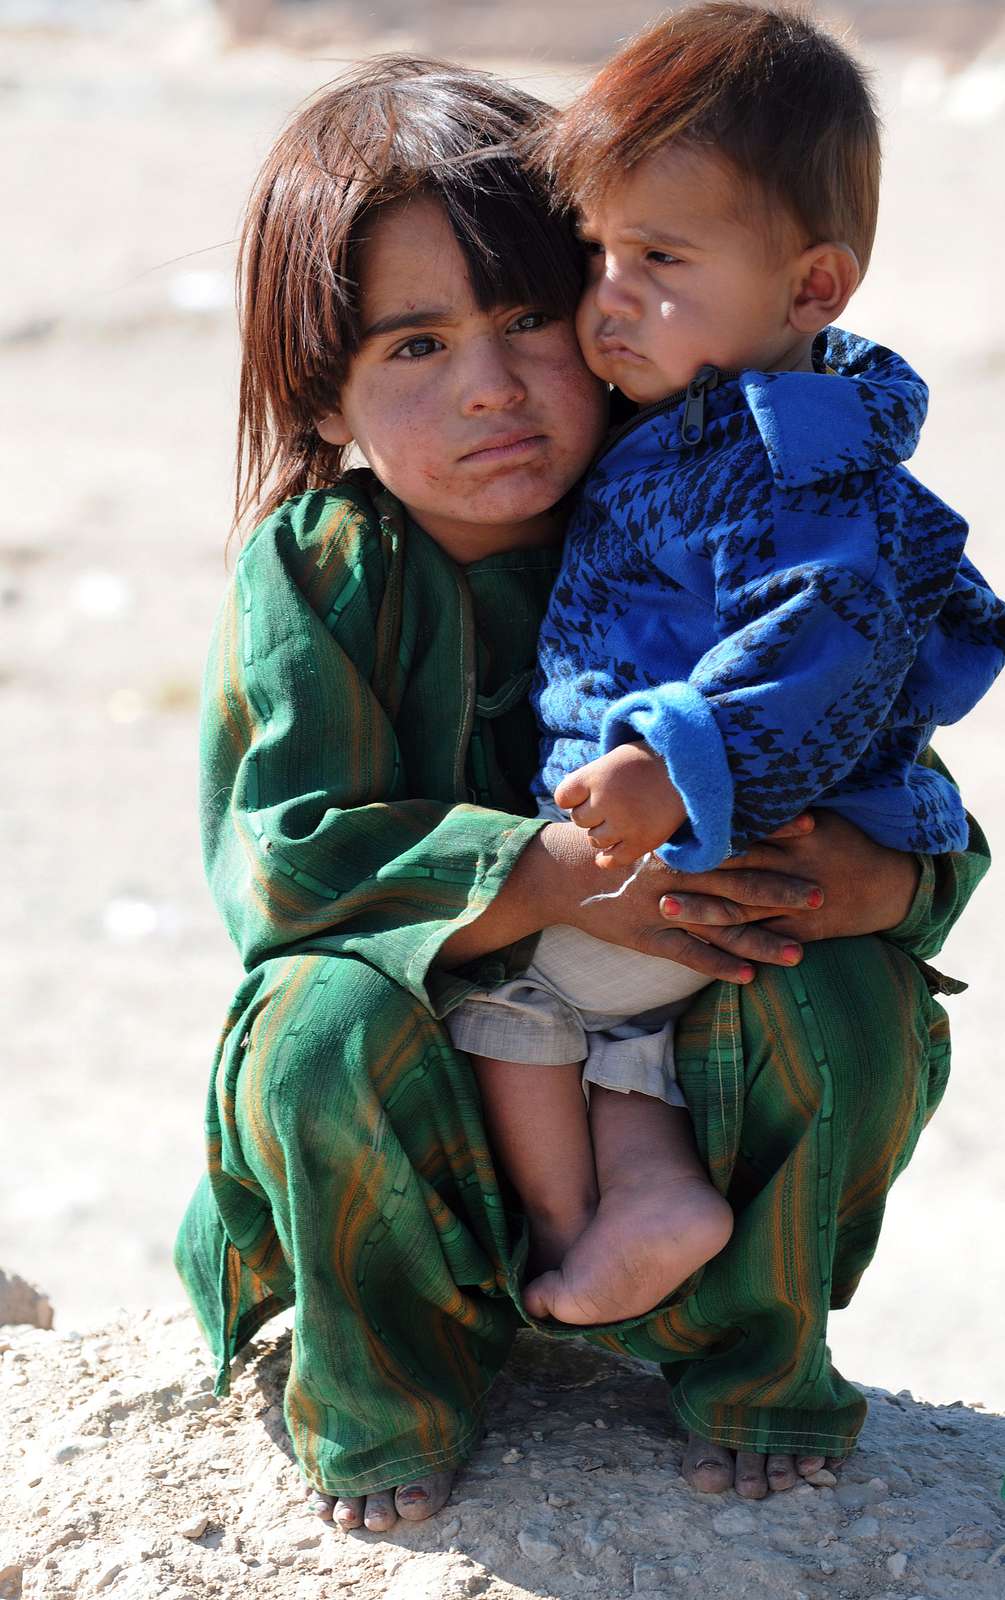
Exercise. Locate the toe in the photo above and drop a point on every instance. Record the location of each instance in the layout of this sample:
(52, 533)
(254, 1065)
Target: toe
(707, 1467)
(750, 1481)
(423, 1498)
(322, 1505)
(781, 1473)
(347, 1513)
(807, 1465)
(379, 1513)
(835, 1463)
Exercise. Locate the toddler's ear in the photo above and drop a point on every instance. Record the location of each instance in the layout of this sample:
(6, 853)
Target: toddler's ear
(825, 278)
(333, 428)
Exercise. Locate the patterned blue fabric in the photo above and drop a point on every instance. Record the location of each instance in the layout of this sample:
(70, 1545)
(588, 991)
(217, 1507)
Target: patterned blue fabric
(782, 610)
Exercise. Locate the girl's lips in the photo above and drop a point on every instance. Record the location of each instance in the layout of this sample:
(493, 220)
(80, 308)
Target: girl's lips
(509, 447)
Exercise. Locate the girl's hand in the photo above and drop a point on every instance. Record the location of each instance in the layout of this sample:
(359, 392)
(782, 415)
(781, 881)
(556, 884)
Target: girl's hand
(625, 801)
(722, 933)
(863, 886)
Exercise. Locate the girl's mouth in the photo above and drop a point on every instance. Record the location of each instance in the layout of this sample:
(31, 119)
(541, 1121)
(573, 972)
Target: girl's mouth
(508, 447)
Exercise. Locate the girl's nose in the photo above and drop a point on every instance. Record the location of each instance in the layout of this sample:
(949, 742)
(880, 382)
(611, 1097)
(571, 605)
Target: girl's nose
(490, 380)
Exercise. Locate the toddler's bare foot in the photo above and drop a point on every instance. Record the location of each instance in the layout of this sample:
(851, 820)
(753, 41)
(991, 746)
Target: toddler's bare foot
(711, 1468)
(650, 1232)
(379, 1511)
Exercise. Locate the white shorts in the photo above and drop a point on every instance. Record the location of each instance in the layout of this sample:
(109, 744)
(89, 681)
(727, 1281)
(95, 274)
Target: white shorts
(584, 1000)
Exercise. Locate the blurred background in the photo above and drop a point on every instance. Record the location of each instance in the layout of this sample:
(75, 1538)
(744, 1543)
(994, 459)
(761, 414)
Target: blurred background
(132, 131)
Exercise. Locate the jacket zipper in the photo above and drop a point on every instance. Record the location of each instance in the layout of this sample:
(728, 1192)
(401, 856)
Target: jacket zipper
(692, 427)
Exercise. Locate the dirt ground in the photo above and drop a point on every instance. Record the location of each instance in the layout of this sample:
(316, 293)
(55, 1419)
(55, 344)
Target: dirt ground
(129, 150)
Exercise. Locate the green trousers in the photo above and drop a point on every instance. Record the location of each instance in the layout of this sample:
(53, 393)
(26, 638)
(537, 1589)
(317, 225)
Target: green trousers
(350, 1175)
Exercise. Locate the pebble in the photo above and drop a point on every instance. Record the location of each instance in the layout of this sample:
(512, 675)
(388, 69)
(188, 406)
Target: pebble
(509, 1458)
(896, 1565)
(735, 1522)
(561, 1501)
(822, 1478)
(648, 1576)
(194, 1528)
(971, 1536)
(107, 1574)
(538, 1545)
(864, 1528)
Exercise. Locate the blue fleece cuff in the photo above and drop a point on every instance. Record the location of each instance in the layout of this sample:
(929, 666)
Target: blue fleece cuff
(676, 721)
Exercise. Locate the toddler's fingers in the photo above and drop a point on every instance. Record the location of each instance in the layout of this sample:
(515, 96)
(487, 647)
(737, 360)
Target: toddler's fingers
(803, 824)
(572, 791)
(616, 855)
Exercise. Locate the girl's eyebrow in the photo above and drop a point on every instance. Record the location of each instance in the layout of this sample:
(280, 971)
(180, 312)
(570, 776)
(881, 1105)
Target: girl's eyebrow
(413, 318)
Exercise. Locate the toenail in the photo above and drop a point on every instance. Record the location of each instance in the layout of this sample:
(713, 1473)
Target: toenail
(414, 1492)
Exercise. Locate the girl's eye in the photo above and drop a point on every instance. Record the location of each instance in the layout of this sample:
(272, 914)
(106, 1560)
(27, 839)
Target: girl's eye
(423, 344)
(663, 259)
(528, 322)
(591, 247)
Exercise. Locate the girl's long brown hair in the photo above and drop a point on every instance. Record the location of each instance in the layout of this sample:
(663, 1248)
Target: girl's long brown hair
(393, 127)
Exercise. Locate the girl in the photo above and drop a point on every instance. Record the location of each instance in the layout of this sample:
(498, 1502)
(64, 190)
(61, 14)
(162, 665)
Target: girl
(366, 750)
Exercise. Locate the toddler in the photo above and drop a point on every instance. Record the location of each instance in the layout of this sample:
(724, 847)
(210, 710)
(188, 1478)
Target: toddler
(759, 609)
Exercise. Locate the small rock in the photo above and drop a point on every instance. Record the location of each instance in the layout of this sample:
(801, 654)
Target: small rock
(735, 1522)
(560, 1501)
(10, 1581)
(194, 1528)
(822, 1478)
(864, 1528)
(900, 1481)
(107, 1573)
(896, 1565)
(21, 1302)
(449, 1530)
(971, 1536)
(827, 1568)
(202, 1401)
(538, 1545)
(509, 1458)
(853, 1496)
(648, 1576)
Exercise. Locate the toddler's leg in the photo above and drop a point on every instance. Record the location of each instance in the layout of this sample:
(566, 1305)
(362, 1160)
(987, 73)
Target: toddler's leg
(659, 1217)
(539, 1130)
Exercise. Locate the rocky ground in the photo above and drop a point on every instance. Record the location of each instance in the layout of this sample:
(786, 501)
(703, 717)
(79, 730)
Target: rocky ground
(126, 1478)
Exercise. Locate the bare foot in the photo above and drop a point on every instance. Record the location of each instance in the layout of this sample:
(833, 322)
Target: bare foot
(650, 1232)
(379, 1511)
(711, 1468)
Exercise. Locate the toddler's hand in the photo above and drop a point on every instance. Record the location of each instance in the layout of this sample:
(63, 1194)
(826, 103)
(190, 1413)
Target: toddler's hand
(626, 802)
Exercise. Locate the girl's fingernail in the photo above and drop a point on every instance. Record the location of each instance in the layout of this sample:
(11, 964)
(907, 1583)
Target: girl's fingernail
(669, 906)
(791, 953)
(815, 898)
(746, 973)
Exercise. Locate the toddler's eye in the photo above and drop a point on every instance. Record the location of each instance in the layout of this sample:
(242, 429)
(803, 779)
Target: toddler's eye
(663, 258)
(423, 344)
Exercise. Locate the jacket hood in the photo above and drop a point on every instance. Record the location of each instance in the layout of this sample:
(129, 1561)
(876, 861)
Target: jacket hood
(865, 413)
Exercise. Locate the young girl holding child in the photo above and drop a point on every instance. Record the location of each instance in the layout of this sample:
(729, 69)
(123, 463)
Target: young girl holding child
(367, 747)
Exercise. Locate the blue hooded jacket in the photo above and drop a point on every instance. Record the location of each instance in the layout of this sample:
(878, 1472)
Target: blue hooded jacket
(779, 608)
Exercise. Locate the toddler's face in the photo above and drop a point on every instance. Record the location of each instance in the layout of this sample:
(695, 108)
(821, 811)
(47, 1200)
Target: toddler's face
(479, 421)
(680, 276)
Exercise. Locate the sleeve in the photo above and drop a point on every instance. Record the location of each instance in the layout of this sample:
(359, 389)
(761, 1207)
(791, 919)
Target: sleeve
(779, 709)
(944, 888)
(309, 838)
(824, 593)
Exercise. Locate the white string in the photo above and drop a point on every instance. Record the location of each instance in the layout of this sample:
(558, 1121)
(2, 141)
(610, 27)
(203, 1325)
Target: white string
(615, 894)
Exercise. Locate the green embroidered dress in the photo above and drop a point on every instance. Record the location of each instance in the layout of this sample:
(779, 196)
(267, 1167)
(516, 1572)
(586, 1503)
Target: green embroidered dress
(366, 750)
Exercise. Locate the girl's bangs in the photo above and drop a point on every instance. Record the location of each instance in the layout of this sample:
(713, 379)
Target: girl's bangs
(518, 253)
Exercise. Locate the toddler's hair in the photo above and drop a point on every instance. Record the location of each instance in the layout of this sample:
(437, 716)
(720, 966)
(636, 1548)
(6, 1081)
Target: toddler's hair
(764, 89)
(388, 129)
